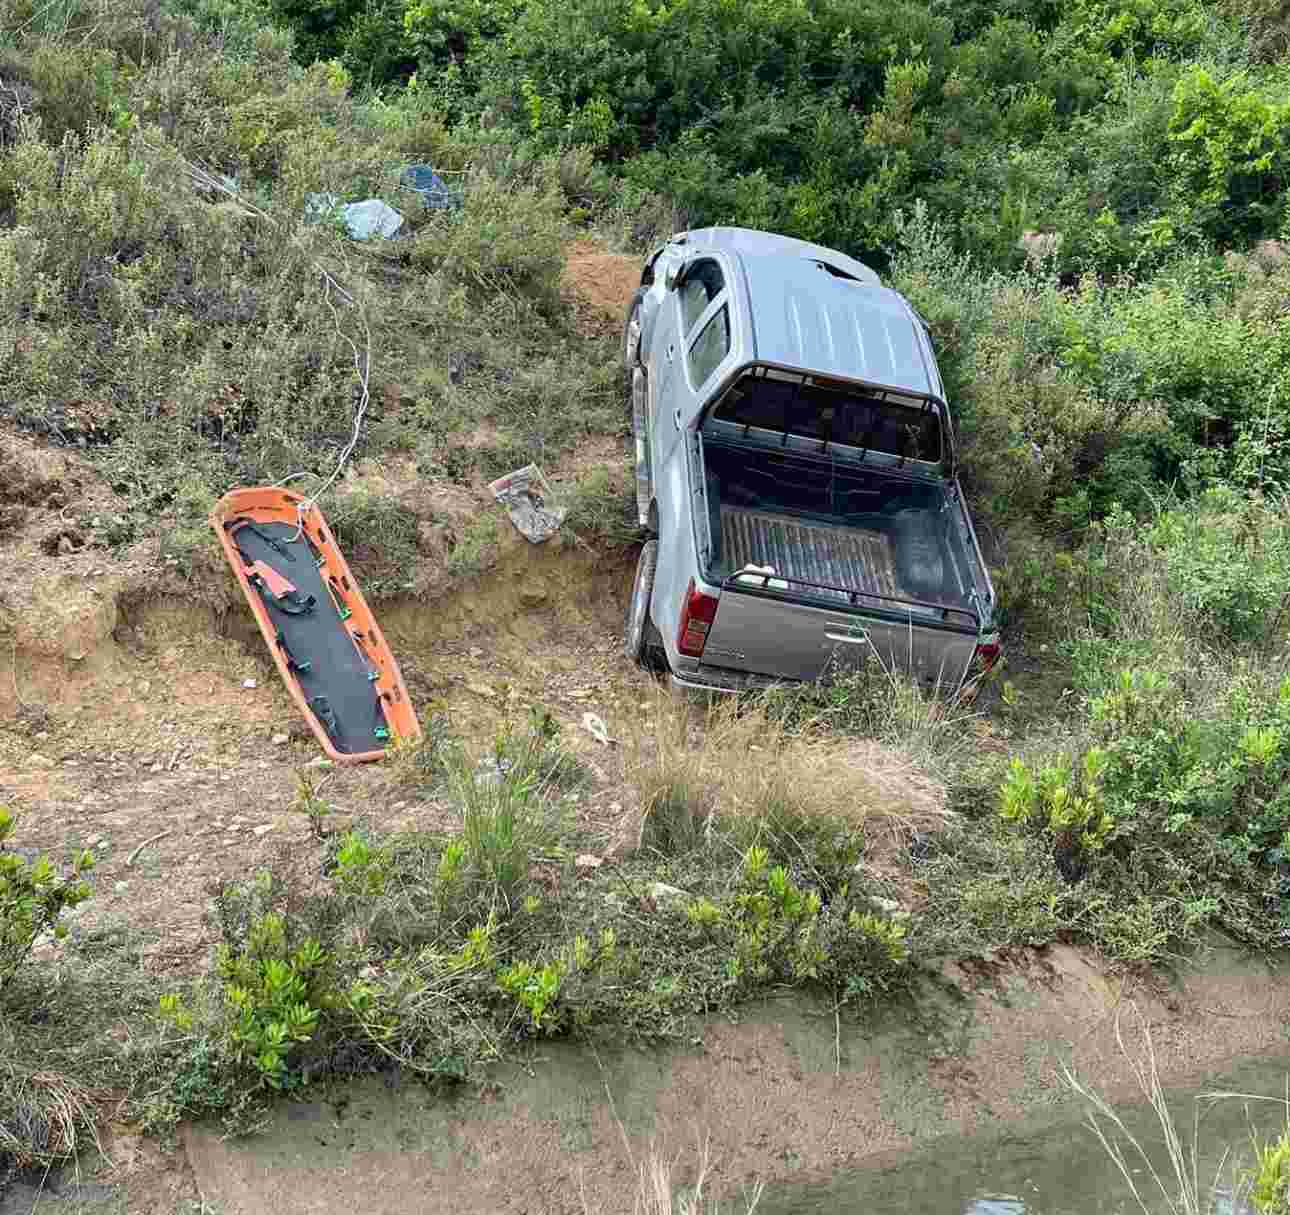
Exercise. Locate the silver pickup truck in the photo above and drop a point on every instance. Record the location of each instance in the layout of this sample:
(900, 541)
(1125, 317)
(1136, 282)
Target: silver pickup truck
(795, 468)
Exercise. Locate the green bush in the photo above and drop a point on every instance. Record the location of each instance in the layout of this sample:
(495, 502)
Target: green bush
(507, 240)
(33, 896)
(1181, 811)
(274, 989)
(774, 931)
(1228, 561)
(1270, 1182)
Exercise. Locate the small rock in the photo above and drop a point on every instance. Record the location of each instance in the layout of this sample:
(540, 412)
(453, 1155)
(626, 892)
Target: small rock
(65, 547)
(262, 829)
(279, 739)
(481, 689)
(668, 896)
(532, 595)
(120, 887)
(399, 806)
(890, 906)
(94, 841)
(157, 768)
(40, 737)
(476, 652)
(587, 860)
(145, 686)
(36, 760)
(248, 683)
(615, 807)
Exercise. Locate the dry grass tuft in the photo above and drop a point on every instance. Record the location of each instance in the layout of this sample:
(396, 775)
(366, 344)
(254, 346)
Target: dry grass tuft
(45, 1116)
(739, 766)
(656, 1193)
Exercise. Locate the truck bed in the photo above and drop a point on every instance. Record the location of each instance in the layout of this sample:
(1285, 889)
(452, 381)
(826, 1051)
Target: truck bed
(851, 558)
(850, 535)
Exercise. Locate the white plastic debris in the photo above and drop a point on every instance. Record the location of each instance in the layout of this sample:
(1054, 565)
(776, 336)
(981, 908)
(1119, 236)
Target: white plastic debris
(371, 217)
(526, 496)
(363, 220)
(753, 573)
(248, 683)
(595, 726)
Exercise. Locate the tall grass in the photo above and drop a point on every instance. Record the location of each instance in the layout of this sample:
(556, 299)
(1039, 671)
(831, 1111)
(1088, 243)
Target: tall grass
(1177, 1185)
(742, 771)
(657, 1192)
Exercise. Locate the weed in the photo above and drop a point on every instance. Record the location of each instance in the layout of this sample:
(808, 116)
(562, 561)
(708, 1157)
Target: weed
(310, 802)
(747, 775)
(501, 822)
(33, 896)
(1270, 1182)
(474, 551)
(423, 762)
(602, 507)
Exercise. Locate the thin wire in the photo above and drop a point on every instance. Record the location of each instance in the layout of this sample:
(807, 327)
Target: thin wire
(362, 362)
(362, 368)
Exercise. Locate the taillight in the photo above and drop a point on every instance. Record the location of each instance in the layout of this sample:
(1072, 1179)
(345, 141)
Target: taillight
(987, 654)
(698, 611)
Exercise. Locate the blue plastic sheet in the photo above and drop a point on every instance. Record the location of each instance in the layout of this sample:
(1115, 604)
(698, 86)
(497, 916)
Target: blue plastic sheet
(436, 193)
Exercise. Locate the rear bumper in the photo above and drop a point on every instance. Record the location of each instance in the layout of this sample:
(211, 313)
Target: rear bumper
(721, 679)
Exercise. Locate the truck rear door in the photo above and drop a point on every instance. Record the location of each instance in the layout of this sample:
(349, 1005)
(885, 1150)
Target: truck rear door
(764, 634)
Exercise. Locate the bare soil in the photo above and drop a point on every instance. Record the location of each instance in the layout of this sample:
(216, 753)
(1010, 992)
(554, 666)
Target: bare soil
(125, 711)
(140, 716)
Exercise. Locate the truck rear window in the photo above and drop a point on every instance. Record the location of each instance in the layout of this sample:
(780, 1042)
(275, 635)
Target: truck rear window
(832, 413)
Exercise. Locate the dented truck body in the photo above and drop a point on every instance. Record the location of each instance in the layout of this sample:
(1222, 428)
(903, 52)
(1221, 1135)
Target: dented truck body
(795, 466)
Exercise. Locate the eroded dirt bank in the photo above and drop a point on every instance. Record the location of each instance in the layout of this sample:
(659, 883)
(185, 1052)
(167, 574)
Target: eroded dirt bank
(128, 725)
(784, 1093)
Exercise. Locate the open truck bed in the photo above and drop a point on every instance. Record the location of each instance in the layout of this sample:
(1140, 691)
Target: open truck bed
(864, 560)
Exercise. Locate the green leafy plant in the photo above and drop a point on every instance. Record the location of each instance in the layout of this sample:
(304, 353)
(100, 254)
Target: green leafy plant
(33, 897)
(310, 802)
(362, 869)
(1066, 803)
(1270, 1179)
(273, 996)
(536, 989)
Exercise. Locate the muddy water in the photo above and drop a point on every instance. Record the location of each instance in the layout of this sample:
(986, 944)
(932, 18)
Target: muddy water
(1059, 1168)
(953, 1107)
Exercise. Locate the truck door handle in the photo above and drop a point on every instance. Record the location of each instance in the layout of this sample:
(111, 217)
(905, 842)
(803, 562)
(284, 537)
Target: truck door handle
(676, 418)
(671, 353)
(849, 638)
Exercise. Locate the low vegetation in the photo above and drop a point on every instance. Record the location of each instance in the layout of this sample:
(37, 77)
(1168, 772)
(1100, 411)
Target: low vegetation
(1257, 1181)
(1088, 205)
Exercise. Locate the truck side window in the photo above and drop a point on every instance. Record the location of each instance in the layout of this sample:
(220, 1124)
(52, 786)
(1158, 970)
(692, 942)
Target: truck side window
(710, 347)
(703, 283)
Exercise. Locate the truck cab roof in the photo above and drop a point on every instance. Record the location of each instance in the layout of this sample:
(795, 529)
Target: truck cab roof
(814, 309)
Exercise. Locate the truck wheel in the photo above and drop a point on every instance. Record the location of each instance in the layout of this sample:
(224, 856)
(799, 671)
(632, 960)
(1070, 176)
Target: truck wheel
(636, 628)
(632, 334)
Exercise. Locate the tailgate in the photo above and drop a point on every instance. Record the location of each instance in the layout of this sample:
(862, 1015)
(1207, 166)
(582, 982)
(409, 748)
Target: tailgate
(769, 634)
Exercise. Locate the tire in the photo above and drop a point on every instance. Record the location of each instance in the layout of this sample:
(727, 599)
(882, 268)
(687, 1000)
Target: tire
(632, 334)
(637, 628)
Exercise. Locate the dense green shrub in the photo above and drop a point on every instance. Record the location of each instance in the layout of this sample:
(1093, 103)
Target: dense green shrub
(33, 896)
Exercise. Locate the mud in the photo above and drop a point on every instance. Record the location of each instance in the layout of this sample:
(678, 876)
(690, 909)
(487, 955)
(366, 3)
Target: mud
(786, 1093)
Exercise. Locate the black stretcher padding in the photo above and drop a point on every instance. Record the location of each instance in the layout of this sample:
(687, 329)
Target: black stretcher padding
(319, 638)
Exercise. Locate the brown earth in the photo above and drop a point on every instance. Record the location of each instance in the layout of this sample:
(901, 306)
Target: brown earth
(126, 725)
(603, 283)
